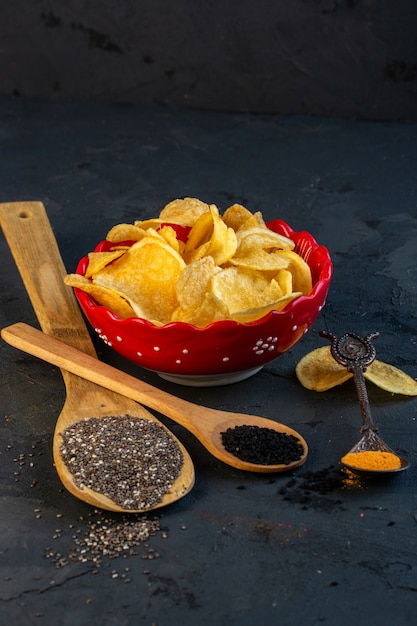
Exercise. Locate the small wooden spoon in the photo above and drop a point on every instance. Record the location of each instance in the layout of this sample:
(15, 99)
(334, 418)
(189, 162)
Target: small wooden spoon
(205, 423)
(34, 248)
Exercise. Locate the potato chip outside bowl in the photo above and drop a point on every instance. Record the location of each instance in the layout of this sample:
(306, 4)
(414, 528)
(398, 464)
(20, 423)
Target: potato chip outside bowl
(223, 352)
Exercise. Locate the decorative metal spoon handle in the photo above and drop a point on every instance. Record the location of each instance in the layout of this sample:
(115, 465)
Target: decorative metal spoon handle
(364, 404)
(356, 354)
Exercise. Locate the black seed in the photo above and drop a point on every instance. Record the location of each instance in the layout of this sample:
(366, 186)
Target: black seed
(264, 446)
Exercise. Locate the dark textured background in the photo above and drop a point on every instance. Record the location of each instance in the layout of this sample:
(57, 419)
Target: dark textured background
(98, 121)
(349, 58)
(241, 549)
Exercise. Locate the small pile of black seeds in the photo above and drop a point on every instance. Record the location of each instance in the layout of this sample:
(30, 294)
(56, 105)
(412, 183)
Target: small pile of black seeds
(264, 446)
(321, 489)
(131, 460)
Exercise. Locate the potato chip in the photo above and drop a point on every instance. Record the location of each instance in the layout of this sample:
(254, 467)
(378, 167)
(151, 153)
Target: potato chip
(274, 292)
(258, 259)
(300, 271)
(166, 234)
(198, 242)
(184, 211)
(170, 236)
(98, 260)
(255, 246)
(391, 379)
(125, 232)
(147, 274)
(194, 282)
(319, 371)
(211, 310)
(235, 216)
(252, 315)
(210, 237)
(120, 246)
(105, 296)
(241, 290)
(154, 223)
(284, 280)
(197, 305)
(255, 220)
(263, 238)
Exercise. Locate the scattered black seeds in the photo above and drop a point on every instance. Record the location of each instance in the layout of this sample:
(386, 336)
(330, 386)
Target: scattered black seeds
(133, 461)
(264, 446)
(320, 489)
(101, 539)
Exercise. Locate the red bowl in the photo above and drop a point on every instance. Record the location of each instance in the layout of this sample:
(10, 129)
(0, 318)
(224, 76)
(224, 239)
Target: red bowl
(225, 351)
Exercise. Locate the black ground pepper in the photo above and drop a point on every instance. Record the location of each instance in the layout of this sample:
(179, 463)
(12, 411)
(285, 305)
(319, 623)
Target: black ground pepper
(131, 460)
(264, 446)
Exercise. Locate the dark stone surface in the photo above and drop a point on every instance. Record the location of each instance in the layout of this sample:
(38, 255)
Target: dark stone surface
(312, 57)
(311, 547)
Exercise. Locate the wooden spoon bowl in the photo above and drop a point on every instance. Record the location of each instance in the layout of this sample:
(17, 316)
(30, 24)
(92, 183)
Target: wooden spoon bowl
(34, 248)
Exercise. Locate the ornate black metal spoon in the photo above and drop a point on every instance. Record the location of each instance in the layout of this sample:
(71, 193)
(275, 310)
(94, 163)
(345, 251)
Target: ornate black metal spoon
(356, 354)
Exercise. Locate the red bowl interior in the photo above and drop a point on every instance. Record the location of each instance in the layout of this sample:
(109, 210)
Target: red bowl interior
(222, 347)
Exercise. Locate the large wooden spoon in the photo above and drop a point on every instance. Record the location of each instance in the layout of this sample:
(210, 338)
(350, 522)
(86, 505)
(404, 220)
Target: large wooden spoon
(205, 423)
(31, 240)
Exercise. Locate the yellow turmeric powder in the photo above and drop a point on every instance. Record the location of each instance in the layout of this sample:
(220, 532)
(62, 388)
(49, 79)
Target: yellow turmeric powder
(372, 460)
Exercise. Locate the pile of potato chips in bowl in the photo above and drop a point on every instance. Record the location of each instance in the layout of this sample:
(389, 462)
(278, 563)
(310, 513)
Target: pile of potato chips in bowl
(203, 298)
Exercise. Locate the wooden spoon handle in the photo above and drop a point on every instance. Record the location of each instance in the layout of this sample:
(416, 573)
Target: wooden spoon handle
(31, 240)
(30, 340)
